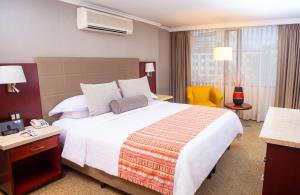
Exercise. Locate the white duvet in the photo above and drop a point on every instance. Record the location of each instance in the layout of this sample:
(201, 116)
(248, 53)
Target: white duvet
(96, 142)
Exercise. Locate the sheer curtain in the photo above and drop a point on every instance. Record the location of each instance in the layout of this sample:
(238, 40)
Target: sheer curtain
(206, 71)
(254, 60)
(231, 67)
(258, 68)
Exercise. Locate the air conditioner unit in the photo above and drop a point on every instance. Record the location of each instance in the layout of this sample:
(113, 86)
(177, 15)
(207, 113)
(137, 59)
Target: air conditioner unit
(88, 19)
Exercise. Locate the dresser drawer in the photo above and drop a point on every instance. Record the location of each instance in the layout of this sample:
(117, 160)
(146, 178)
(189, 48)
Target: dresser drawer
(33, 148)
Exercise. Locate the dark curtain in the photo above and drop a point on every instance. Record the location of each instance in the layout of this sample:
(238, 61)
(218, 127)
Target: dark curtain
(180, 70)
(288, 68)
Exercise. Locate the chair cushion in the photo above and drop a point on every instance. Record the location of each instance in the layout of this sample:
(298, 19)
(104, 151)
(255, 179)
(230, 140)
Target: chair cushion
(206, 103)
(201, 94)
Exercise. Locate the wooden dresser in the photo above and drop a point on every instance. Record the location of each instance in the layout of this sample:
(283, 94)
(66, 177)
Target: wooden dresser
(29, 162)
(281, 132)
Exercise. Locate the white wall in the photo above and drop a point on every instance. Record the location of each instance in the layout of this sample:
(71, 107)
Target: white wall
(32, 28)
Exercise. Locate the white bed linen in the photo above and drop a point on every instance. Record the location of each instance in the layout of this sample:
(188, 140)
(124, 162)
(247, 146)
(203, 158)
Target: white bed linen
(96, 142)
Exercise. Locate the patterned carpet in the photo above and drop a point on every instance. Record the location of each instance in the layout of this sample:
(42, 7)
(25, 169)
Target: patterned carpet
(238, 172)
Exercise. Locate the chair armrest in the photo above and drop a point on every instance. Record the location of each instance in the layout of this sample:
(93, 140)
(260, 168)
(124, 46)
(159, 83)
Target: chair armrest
(189, 94)
(190, 99)
(216, 97)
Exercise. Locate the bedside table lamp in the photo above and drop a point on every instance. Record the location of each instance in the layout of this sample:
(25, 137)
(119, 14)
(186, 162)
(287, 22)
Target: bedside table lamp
(149, 69)
(11, 75)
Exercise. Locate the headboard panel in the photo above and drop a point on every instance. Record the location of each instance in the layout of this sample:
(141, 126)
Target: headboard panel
(60, 77)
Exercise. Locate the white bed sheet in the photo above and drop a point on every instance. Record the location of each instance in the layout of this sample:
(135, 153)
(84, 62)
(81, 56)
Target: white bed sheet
(96, 141)
(68, 124)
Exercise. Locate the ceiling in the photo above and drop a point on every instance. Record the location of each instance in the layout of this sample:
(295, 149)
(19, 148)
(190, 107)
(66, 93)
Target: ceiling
(182, 13)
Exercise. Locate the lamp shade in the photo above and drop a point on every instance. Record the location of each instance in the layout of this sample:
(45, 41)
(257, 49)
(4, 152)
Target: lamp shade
(11, 74)
(222, 53)
(149, 67)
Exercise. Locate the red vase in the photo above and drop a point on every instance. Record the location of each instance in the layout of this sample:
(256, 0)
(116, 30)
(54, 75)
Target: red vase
(238, 96)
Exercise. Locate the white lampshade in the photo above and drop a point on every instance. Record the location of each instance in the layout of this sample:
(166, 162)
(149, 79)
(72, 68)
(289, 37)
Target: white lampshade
(222, 53)
(149, 67)
(11, 74)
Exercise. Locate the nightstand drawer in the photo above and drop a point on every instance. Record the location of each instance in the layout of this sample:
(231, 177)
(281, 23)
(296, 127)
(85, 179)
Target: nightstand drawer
(33, 148)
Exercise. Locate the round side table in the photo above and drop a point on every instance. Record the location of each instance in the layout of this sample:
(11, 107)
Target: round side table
(237, 109)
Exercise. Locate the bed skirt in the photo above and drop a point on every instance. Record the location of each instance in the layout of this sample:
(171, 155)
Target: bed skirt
(110, 180)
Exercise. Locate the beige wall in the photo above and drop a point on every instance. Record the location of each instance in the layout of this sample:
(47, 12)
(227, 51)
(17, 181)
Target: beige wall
(31, 28)
(163, 60)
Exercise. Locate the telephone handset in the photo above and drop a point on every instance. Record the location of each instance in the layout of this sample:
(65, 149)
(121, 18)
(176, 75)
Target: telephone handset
(39, 123)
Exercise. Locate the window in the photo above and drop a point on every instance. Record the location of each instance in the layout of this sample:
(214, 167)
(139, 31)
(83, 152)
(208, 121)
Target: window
(254, 62)
(205, 71)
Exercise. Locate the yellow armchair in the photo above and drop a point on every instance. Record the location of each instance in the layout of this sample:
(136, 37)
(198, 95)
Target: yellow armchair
(204, 95)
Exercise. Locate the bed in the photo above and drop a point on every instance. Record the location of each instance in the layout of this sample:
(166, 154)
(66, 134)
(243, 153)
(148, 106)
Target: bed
(92, 145)
(95, 142)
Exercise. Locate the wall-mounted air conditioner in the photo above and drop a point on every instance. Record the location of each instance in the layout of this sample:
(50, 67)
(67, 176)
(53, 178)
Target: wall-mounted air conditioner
(88, 19)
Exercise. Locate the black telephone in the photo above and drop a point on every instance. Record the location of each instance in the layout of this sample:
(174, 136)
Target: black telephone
(11, 127)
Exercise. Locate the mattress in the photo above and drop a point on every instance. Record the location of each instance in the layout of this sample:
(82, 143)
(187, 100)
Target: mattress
(96, 142)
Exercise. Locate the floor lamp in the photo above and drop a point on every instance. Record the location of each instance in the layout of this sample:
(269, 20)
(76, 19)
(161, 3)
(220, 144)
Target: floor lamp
(223, 54)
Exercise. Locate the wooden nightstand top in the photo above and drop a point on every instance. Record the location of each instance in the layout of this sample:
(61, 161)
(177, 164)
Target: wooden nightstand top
(164, 97)
(15, 140)
(282, 127)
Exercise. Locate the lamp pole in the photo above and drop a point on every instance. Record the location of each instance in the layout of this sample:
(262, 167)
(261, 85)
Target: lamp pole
(223, 54)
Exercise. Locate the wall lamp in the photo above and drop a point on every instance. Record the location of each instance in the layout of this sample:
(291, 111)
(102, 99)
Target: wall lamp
(149, 69)
(11, 75)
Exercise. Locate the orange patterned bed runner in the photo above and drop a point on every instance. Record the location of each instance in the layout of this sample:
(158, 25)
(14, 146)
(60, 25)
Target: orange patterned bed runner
(148, 157)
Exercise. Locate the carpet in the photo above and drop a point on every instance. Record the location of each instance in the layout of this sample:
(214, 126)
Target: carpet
(240, 169)
(238, 172)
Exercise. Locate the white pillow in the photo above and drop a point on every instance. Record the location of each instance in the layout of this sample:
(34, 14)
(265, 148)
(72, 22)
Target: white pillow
(154, 96)
(76, 114)
(72, 104)
(134, 87)
(99, 96)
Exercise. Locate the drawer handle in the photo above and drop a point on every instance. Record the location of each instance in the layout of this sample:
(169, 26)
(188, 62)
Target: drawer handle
(37, 148)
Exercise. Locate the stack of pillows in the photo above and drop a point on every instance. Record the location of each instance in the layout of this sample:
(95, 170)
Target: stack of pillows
(107, 97)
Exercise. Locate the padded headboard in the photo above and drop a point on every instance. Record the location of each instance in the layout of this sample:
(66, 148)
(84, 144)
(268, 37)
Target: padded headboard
(60, 77)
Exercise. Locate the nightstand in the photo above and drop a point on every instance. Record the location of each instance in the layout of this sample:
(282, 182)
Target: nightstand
(29, 162)
(164, 97)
